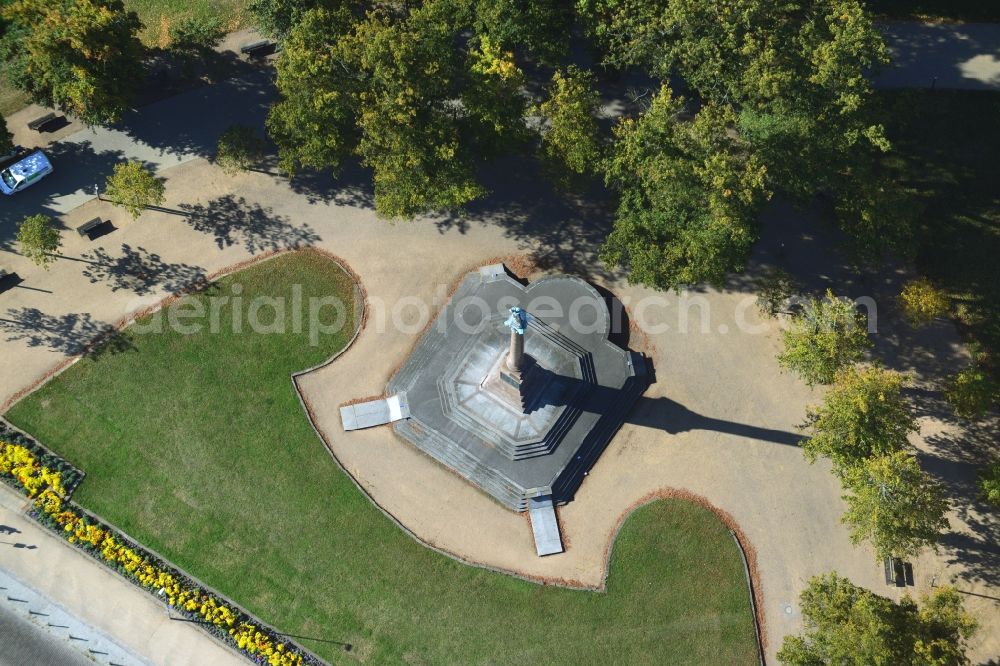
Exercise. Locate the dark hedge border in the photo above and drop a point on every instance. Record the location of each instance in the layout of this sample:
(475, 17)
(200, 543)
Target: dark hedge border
(53, 461)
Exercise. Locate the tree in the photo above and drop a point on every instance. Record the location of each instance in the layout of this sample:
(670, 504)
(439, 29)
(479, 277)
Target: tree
(971, 392)
(893, 504)
(318, 86)
(38, 240)
(6, 139)
(81, 56)
(689, 195)
(134, 187)
(799, 73)
(571, 143)
(277, 17)
(828, 334)
(542, 27)
(862, 415)
(239, 149)
(922, 302)
(989, 483)
(409, 90)
(849, 625)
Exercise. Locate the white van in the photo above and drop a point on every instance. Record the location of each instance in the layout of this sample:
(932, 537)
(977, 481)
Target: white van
(24, 171)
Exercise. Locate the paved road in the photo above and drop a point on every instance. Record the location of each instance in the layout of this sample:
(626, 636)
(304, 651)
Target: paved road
(22, 643)
(946, 55)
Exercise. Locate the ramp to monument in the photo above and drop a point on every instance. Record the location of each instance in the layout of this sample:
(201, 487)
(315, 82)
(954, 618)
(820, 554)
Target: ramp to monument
(375, 412)
(548, 541)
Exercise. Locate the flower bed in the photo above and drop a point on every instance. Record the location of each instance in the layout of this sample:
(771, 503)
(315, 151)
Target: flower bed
(38, 474)
(69, 476)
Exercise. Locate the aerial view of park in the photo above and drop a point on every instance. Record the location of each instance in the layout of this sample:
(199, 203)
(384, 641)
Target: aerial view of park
(499, 332)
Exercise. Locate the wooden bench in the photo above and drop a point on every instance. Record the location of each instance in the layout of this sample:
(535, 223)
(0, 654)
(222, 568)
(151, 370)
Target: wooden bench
(89, 226)
(897, 572)
(38, 123)
(258, 48)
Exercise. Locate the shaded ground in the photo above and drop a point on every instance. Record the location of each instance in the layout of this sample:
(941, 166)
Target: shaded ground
(947, 142)
(196, 445)
(957, 10)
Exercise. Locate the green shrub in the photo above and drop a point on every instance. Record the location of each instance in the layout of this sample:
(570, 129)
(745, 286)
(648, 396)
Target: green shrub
(922, 302)
(196, 34)
(239, 149)
(971, 392)
(989, 483)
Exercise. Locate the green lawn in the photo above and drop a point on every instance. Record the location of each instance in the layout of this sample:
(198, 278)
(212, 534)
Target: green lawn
(197, 446)
(947, 143)
(159, 15)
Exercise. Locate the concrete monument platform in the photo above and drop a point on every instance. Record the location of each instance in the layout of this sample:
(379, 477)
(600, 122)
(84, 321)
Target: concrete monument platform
(530, 431)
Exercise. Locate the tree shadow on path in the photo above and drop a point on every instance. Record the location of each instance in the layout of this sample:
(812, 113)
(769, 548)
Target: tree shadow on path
(233, 220)
(70, 334)
(140, 271)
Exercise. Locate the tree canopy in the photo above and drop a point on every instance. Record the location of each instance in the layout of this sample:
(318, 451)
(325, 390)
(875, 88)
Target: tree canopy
(795, 74)
(894, 504)
(38, 239)
(571, 141)
(849, 625)
(134, 187)
(825, 336)
(689, 195)
(406, 92)
(862, 415)
(81, 56)
(6, 138)
(424, 92)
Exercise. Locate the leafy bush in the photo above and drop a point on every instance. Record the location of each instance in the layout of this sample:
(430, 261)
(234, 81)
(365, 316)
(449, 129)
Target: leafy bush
(828, 334)
(239, 149)
(133, 187)
(971, 392)
(922, 302)
(196, 34)
(989, 483)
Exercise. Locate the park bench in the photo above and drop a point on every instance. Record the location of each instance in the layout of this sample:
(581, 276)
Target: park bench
(89, 226)
(897, 572)
(38, 123)
(259, 48)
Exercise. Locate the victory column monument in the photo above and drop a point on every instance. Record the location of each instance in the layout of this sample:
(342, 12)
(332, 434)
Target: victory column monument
(516, 388)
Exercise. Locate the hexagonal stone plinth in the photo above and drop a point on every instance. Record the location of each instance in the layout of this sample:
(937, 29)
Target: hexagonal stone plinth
(517, 444)
(475, 395)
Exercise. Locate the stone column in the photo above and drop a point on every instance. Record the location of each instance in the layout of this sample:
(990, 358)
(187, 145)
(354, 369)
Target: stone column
(515, 357)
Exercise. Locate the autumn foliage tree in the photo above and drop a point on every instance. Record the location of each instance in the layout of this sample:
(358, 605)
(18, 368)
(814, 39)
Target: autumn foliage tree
(852, 626)
(38, 239)
(862, 415)
(81, 56)
(571, 141)
(828, 334)
(134, 187)
(689, 194)
(894, 504)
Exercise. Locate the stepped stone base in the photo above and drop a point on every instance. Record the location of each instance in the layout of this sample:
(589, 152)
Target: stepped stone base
(533, 440)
